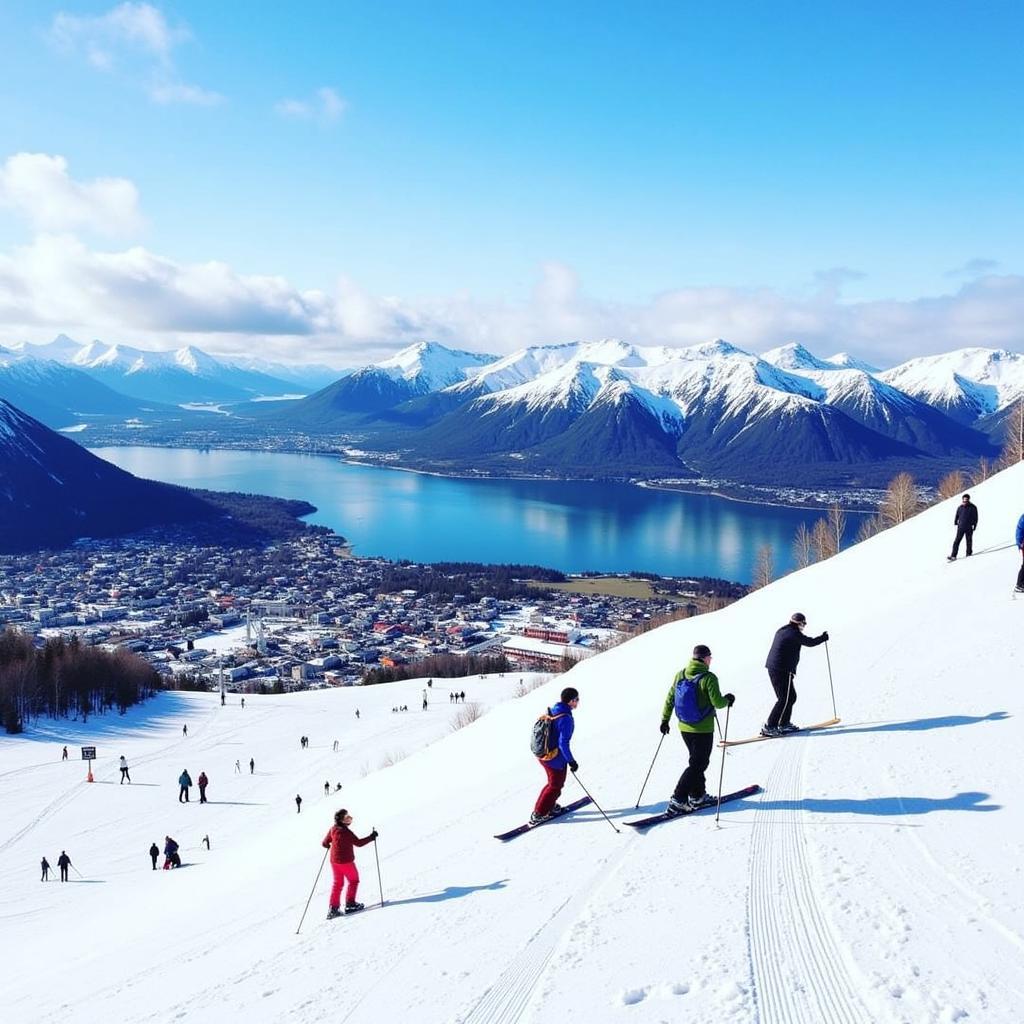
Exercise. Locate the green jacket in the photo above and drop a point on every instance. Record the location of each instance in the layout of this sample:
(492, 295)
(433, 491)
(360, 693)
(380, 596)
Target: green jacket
(708, 695)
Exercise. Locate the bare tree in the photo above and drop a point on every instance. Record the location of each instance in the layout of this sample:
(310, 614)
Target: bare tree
(901, 500)
(764, 567)
(822, 541)
(802, 550)
(869, 527)
(1013, 446)
(983, 472)
(837, 525)
(951, 485)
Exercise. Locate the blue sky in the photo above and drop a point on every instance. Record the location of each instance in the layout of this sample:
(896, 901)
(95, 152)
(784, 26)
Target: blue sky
(848, 175)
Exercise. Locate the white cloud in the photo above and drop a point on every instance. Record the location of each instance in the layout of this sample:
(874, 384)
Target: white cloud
(38, 187)
(325, 105)
(136, 39)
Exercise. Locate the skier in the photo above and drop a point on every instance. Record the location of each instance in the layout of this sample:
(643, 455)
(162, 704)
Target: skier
(335, 746)
(64, 756)
(556, 767)
(298, 804)
(171, 858)
(243, 702)
(327, 789)
(203, 783)
(238, 767)
(63, 862)
(966, 522)
(357, 713)
(222, 700)
(154, 852)
(781, 663)
(337, 787)
(462, 695)
(46, 870)
(184, 730)
(1020, 544)
(252, 766)
(124, 771)
(694, 695)
(424, 703)
(340, 840)
(185, 782)
(206, 842)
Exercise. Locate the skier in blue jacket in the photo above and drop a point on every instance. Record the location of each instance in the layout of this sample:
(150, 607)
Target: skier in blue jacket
(1020, 544)
(556, 766)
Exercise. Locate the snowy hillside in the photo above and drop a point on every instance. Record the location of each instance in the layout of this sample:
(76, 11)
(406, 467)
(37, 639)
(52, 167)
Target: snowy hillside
(876, 879)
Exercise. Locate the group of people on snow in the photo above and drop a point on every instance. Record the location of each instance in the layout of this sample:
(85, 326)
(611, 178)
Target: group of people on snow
(63, 862)
(966, 522)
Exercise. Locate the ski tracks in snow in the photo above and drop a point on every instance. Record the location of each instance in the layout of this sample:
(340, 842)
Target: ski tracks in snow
(799, 968)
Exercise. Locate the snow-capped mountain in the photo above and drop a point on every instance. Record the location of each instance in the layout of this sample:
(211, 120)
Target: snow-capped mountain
(186, 375)
(52, 490)
(967, 384)
(795, 357)
(60, 395)
(844, 361)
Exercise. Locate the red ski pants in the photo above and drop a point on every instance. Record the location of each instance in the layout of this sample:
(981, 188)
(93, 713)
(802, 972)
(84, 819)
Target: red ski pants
(552, 790)
(342, 873)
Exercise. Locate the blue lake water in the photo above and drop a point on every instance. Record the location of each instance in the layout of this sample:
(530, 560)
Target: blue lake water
(572, 526)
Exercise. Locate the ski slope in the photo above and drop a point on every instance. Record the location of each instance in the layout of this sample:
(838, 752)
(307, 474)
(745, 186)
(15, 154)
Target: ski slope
(877, 878)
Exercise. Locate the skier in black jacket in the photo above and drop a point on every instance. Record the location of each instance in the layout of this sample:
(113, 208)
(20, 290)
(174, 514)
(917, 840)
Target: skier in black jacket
(781, 663)
(154, 852)
(966, 522)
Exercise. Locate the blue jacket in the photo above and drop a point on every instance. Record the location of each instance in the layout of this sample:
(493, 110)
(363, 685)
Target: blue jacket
(564, 728)
(1020, 531)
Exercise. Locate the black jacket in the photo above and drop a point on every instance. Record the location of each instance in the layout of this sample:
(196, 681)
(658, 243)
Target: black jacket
(785, 653)
(966, 516)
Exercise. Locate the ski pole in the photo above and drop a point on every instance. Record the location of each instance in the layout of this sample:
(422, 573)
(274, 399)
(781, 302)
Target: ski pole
(595, 803)
(77, 872)
(311, 891)
(651, 769)
(376, 854)
(721, 773)
(828, 662)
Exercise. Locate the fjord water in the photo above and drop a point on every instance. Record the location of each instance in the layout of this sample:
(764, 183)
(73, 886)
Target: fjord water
(574, 526)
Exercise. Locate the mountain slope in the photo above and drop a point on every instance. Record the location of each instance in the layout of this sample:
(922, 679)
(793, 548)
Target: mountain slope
(52, 490)
(813, 902)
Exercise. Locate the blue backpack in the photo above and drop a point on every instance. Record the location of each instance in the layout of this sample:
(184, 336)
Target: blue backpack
(687, 707)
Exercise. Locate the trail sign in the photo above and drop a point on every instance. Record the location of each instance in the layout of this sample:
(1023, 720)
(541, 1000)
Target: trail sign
(88, 753)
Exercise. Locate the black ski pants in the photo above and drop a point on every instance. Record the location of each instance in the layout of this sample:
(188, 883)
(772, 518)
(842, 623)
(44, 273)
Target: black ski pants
(125, 775)
(964, 533)
(183, 795)
(63, 873)
(691, 782)
(785, 698)
(153, 857)
(1020, 573)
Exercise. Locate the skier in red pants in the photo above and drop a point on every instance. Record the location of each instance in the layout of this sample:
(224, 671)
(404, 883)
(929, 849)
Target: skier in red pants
(555, 766)
(341, 841)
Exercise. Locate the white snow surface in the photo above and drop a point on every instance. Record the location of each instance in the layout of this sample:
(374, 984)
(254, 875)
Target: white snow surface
(987, 378)
(877, 878)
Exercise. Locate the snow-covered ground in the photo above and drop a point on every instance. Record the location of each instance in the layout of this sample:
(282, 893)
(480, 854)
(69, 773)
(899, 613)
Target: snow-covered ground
(878, 877)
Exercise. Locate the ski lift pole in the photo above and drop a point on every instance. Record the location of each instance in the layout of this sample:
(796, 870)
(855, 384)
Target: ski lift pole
(651, 769)
(595, 803)
(828, 662)
(721, 771)
(311, 891)
(376, 856)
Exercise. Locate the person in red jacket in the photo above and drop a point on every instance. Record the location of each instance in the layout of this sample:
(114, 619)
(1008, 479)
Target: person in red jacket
(341, 842)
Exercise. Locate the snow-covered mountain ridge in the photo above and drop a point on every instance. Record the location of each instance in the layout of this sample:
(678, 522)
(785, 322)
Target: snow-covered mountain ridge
(875, 878)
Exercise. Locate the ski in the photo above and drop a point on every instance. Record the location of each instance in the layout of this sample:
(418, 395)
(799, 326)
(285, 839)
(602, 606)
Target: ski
(575, 806)
(656, 819)
(757, 739)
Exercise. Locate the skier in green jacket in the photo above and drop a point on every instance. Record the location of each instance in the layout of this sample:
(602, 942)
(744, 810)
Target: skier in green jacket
(693, 696)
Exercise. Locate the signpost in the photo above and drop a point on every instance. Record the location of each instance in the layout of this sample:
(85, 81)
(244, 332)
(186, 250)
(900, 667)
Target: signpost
(89, 754)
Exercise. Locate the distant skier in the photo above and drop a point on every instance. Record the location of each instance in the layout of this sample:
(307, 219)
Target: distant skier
(184, 730)
(424, 703)
(340, 840)
(555, 767)
(154, 852)
(124, 771)
(357, 712)
(238, 767)
(171, 857)
(203, 782)
(966, 522)
(781, 663)
(327, 789)
(1020, 544)
(693, 696)
(252, 766)
(223, 701)
(185, 784)
(46, 870)
(243, 702)
(335, 746)
(462, 695)
(206, 842)
(64, 756)
(298, 804)
(63, 862)
(337, 787)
